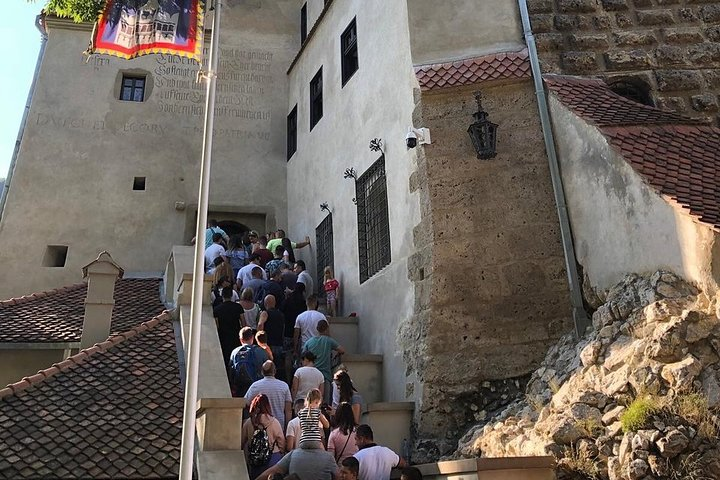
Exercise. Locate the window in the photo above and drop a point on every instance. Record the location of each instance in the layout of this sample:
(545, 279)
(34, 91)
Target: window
(373, 221)
(133, 89)
(292, 133)
(349, 52)
(637, 91)
(55, 256)
(139, 183)
(324, 246)
(303, 24)
(316, 100)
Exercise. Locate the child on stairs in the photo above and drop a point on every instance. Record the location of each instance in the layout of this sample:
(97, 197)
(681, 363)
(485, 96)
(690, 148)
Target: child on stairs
(332, 292)
(310, 419)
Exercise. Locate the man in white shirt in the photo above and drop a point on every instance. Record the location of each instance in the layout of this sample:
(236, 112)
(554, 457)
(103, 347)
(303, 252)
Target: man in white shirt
(306, 324)
(244, 275)
(307, 377)
(304, 277)
(376, 462)
(213, 251)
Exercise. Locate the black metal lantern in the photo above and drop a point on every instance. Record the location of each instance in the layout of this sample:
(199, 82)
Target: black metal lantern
(483, 132)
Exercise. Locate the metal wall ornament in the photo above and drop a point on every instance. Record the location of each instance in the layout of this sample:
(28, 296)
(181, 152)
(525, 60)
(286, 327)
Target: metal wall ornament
(325, 208)
(483, 133)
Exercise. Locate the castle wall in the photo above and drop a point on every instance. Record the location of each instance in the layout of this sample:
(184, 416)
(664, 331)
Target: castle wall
(671, 46)
(491, 291)
(619, 223)
(377, 101)
(82, 148)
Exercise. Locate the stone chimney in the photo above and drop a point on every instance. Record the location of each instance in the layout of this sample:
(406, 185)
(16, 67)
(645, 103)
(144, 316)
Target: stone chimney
(101, 275)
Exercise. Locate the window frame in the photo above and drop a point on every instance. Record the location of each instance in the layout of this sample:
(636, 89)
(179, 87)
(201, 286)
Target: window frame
(291, 133)
(347, 50)
(133, 87)
(316, 98)
(373, 217)
(324, 249)
(303, 23)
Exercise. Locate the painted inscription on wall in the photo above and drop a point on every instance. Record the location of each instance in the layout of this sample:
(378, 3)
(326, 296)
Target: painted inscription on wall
(242, 76)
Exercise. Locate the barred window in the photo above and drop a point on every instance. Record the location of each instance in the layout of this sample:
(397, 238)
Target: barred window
(373, 221)
(292, 133)
(324, 247)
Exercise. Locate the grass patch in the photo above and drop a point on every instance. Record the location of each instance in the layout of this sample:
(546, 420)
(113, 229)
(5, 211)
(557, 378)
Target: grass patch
(693, 407)
(579, 461)
(591, 427)
(638, 413)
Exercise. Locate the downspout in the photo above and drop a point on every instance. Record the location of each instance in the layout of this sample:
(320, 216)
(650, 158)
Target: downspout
(576, 300)
(40, 25)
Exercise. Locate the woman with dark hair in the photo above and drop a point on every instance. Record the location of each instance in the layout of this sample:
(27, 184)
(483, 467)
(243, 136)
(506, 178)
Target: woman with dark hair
(346, 392)
(261, 419)
(341, 442)
(287, 245)
(236, 254)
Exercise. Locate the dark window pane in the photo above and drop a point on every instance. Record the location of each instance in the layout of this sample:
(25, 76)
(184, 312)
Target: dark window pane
(373, 220)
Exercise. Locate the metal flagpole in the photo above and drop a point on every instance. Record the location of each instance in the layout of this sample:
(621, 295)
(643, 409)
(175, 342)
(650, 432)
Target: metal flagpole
(193, 361)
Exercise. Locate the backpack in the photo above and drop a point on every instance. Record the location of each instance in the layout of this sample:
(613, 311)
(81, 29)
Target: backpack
(242, 371)
(259, 449)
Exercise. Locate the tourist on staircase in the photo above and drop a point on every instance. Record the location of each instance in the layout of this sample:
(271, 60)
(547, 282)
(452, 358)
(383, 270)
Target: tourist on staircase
(251, 309)
(276, 391)
(228, 320)
(332, 291)
(341, 442)
(346, 393)
(376, 462)
(275, 263)
(312, 421)
(306, 324)
(285, 242)
(213, 251)
(272, 321)
(307, 377)
(217, 288)
(236, 254)
(349, 469)
(322, 346)
(211, 230)
(411, 473)
(289, 278)
(304, 277)
(262, 434)
(244, 275)
(265, 254)
(273, 286)
(255, 283)
(246, 363)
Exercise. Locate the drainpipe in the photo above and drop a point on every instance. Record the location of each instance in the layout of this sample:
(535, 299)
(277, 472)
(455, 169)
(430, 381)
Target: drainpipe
(579, 315)
(40, 25)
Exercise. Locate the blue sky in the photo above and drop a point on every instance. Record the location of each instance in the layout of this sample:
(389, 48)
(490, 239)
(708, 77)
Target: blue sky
(17, 28)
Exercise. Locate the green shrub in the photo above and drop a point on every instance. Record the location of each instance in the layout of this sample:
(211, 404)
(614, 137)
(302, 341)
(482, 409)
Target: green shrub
(638, 412)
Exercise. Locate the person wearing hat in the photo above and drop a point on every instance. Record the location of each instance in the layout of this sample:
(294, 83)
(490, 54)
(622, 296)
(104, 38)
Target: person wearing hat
(244, 275)
(252, 237)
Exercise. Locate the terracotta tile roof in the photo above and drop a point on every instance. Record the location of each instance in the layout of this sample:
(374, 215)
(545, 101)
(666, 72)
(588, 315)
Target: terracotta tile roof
(112, 411)
(592, 100)
(56, 316)
(677, 156)
(497, 66)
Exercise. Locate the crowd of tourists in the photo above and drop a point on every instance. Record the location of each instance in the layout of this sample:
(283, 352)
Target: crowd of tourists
(303, 420)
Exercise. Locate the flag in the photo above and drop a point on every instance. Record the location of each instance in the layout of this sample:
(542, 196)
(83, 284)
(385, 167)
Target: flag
(131, 28)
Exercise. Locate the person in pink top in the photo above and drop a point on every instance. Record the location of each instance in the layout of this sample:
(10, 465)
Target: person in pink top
(341, 442)
(332, 291)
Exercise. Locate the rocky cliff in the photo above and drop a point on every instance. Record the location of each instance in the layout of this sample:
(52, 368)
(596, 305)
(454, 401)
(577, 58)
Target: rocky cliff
(636, 398)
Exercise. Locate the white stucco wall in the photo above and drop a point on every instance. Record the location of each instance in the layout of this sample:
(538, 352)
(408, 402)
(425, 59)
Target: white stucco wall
(456, 29)
(376, 102)
(82, 147)
(620, 224)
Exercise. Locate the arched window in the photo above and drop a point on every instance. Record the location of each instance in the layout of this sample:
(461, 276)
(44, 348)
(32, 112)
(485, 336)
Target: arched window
(637, 91)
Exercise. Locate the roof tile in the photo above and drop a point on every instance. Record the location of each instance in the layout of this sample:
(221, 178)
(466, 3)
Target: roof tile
(473, 70)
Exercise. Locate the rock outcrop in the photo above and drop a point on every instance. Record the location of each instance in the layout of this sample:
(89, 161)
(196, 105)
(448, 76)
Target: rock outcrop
(636, 398)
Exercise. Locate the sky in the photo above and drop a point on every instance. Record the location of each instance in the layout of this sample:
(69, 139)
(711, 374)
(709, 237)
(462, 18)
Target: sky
(17, 27)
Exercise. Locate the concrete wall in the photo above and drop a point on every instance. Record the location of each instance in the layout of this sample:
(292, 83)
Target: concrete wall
(20, 363)
(82, 147)
(461, 29)
(490, 285)
(376, 102)
(670, 46)
(619, 223)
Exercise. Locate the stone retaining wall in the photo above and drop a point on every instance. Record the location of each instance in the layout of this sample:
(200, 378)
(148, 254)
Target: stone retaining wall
(670, 45)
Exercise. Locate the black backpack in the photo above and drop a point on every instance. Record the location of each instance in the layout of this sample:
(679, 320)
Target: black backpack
(242, 371)
(259, 449)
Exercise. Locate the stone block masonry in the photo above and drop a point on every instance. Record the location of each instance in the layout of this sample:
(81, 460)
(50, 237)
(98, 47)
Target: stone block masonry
(669, 45)
(490, 286)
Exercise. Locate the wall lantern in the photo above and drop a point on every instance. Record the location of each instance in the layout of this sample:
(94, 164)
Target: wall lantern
(483, 132)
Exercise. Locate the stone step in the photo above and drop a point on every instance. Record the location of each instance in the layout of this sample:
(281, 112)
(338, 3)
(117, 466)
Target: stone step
(390, 422)
(345, 331)
(366, 374)
(509, 468)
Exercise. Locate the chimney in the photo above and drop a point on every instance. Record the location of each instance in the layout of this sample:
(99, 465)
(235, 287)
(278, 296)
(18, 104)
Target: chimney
(101, 275)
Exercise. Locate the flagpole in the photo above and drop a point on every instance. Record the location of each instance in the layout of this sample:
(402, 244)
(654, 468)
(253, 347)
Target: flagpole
(193, 361)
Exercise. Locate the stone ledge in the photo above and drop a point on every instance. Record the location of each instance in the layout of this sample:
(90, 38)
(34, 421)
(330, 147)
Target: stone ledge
(389, 407)
(355, 357)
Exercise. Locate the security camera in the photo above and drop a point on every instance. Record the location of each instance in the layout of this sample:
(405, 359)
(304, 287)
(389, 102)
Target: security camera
(411, 139)
(417, 135)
